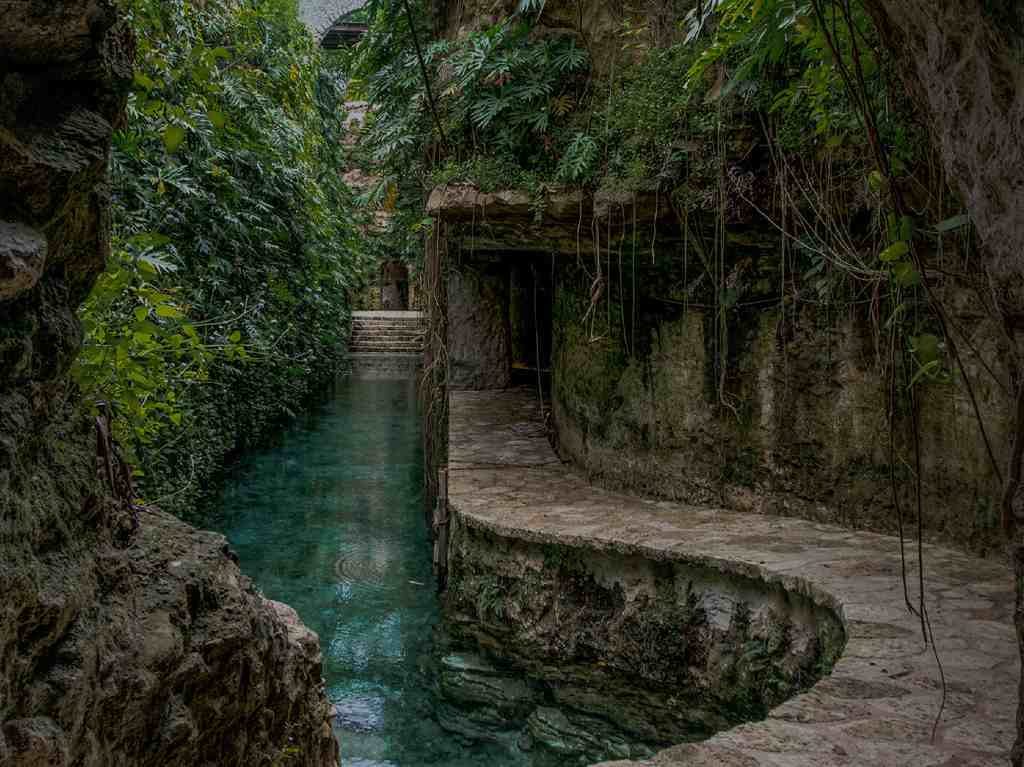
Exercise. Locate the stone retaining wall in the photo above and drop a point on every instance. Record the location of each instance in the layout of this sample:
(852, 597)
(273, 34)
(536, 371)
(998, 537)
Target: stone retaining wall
(625, 654)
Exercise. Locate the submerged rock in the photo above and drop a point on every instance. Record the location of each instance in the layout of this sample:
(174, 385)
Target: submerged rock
(360, 714)
(468, 680)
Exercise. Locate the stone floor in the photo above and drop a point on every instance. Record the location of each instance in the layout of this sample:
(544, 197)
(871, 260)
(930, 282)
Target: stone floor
(879, 705)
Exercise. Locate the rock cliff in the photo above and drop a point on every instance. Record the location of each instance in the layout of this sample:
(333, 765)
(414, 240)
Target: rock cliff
(126, 637)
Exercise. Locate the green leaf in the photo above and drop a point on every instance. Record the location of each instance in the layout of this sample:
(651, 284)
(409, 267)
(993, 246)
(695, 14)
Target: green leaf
(217, 118)
(895, 252)
(235, 337)
(146, 240)
(174, 135)
(169, 312)
(141, 313)
(927, 369)
(926, 347)
(905, 274)
(144, 82)
(956, 222)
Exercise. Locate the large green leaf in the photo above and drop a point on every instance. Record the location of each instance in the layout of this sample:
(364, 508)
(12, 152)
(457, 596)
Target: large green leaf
(173, 137)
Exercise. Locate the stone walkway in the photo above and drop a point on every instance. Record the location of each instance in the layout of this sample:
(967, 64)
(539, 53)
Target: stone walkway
(879, 705)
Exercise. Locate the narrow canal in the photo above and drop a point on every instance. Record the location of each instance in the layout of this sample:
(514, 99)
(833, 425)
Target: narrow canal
(330, 521)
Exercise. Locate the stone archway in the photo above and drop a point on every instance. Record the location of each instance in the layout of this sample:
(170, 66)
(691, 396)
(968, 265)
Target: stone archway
(319, 15)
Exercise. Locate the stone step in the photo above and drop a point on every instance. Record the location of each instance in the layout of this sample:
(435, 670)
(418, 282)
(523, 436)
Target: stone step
(385, 350)
(377, 315)
(394, 344)
(382, 350)
(387, 334)
(395, 329)
(385, 342)
(386, 324)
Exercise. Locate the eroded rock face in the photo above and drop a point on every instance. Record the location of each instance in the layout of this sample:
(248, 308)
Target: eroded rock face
(22, 257)
(586, 655)
(963, 63)
(478, 337)
(175, 660)
(123, 641)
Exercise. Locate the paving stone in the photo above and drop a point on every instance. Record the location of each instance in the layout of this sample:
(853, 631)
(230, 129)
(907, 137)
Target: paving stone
(879, 706)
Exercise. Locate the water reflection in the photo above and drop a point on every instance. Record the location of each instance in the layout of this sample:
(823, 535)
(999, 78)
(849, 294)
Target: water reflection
(330, 522)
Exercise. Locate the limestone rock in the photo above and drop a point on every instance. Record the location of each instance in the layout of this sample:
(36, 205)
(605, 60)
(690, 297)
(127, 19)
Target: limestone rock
(479, 343)
(22, 257)
(36, 742)
(123, 641)
(469, 681)
(553, 729)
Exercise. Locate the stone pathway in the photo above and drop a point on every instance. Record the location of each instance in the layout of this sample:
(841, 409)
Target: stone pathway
(878, 706)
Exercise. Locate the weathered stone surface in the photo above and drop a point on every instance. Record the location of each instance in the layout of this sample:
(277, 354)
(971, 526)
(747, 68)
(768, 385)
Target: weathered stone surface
(126, 637)
(558, 220)
(479, 339)
(22, 256)
(632, 654)
(394, 286)
(34, 743)
(797, 425)
(178, 662)
(552, 729)
(961, 60)
(881, 701)
(384, 366)
(465, 202)
(471, 681)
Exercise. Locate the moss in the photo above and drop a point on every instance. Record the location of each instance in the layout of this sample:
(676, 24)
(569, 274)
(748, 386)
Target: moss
(573, 626)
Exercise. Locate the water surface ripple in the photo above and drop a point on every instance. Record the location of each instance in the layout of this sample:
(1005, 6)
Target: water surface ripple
(330, 521)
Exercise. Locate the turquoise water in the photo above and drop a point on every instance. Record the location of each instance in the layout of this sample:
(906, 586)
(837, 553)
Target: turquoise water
(330, 521)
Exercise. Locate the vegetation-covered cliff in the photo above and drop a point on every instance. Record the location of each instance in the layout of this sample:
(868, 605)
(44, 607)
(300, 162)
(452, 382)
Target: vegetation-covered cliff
(126, 637)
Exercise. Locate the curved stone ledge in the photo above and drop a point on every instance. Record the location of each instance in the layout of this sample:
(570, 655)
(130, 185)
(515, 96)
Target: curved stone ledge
(880, 703)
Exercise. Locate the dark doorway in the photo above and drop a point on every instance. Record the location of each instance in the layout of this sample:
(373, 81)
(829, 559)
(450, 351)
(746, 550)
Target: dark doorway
(530, 311)
(394, 286)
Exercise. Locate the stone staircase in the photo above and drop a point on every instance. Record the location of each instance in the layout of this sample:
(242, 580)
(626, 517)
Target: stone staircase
(387, 333)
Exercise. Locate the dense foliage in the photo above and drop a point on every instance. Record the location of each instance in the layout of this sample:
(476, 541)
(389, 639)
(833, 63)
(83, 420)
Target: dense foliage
(497, 112)
(225, 304)
(725, 92)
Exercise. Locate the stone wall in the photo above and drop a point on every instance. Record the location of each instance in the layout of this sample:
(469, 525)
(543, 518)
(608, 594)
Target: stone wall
(126, 637)
(585, 655)
(776, 405)
(772, 407)
(789, 418)
(479, 336)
